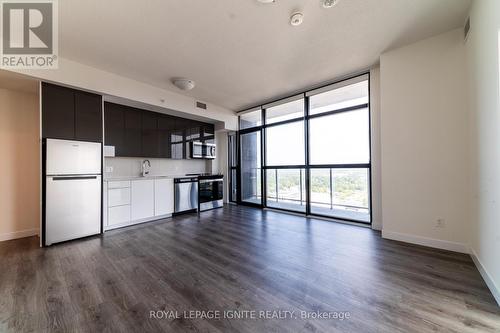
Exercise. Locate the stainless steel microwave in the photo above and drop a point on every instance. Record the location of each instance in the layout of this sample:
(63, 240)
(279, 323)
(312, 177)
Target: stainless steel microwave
(202, 150)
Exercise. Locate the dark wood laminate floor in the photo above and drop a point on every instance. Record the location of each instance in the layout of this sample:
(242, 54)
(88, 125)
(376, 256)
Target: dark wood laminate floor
(240, 258)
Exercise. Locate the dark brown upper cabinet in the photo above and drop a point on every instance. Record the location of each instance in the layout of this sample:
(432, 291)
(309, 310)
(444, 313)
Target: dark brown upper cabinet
(166, 127)
(140, 133)
(150, 146)
(208, 130)
(133, 132)
(114, 133)
(88, 117)
(58, 112)
(181, 126)
(71, 114)
(193, 131)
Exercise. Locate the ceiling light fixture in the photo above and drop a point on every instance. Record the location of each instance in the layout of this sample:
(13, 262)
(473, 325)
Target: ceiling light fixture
(296, 19)
(329, 3)
(266, 1)
(183, 84)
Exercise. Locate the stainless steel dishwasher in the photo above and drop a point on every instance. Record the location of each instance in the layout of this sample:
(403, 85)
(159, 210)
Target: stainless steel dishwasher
(186, 194)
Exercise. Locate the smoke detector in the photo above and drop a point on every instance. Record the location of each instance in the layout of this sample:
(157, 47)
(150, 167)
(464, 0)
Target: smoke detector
(183, 84)
(329, 3)
(296, 19)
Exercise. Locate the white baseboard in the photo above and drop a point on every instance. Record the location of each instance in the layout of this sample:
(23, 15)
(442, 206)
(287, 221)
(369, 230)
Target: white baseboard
(18, 234)
(495, 290)
(430, 242)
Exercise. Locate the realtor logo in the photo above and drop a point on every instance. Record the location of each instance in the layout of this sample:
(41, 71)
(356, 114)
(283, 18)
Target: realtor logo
(29, 34)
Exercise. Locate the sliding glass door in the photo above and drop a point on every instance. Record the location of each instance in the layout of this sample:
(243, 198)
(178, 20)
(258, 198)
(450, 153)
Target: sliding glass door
(315, 150)
(251, 159)
(233, 166)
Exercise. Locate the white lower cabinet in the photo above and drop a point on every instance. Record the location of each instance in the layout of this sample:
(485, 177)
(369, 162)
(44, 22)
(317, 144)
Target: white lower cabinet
(143, 199)
(118, 197)
(136, 201)
(117, 202)
(164, 196)
(118, 215)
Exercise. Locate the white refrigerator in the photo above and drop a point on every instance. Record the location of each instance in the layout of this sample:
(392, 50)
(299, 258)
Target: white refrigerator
(73, 185)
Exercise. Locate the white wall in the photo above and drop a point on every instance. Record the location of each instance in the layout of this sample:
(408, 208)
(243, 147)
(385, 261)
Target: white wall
(424, 143)
(483, 64)
(19, 164)
(85, 77)
(132, 166)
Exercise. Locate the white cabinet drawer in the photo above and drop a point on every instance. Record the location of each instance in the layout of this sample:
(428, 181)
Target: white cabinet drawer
(118, 197)
(119, 184)
(118, 215)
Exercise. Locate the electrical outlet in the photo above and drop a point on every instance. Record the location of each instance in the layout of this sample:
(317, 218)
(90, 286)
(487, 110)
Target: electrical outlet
(109, 169)
(440, 223)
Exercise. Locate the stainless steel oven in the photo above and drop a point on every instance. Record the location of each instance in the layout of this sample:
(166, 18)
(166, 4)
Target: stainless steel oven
(210, 192)
(202, 150)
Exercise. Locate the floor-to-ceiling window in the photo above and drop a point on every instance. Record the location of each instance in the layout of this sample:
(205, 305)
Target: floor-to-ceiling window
(285, 154)
(315, 150)
(339, 150)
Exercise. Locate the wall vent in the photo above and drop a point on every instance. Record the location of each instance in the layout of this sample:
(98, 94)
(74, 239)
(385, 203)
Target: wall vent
(201, 105)
(467, 29)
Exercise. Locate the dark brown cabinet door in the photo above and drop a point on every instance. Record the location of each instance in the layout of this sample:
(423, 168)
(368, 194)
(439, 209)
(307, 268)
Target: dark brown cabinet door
(150, 134)
(114, 127)
(140, 133)
(133, 132)
(88, 117)
(179, 135)
(58, 112)
(193, 130)
(166, 127)
(208, 130)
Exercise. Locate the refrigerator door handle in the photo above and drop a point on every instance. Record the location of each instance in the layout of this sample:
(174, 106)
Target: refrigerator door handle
(74, 178)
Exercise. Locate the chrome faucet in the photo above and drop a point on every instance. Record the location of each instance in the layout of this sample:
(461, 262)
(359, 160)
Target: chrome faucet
(146, 165)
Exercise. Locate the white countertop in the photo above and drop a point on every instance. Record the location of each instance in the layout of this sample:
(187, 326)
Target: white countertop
(125, 178)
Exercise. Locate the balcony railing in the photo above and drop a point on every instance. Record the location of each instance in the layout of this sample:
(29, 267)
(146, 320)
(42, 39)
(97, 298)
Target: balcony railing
(301, 199)
(335, 192)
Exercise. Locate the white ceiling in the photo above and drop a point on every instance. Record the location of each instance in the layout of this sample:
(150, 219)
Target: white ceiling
(241, 52)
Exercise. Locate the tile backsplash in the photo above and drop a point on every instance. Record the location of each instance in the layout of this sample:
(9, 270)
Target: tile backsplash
(132, 166)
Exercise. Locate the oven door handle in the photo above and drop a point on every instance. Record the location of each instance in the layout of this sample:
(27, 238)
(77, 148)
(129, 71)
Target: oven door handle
(204, 181)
